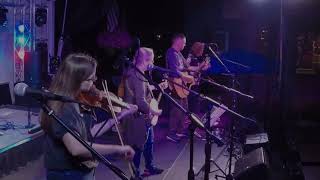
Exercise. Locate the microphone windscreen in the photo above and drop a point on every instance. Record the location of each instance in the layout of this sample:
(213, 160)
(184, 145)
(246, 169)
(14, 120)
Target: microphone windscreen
(150, 67)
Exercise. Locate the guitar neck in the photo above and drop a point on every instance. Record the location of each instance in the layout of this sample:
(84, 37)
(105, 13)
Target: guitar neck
(159, 97)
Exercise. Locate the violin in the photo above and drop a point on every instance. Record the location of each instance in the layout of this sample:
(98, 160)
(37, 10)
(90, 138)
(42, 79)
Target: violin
(93, 98)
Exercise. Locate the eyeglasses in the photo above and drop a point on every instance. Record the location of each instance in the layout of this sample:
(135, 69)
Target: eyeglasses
(93, 79)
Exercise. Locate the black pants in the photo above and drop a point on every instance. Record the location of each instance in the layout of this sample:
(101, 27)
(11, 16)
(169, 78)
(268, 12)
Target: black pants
(176, 116)
(194, 100)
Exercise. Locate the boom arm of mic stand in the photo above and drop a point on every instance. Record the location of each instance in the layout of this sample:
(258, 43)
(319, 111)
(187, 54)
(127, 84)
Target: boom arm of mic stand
(211, 100)
(226, 108)
(239, 64)
(226, 88)
(102, 159)
(225, 67)
(216, 56)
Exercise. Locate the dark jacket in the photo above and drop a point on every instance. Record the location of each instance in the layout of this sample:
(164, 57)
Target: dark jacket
(136, 92)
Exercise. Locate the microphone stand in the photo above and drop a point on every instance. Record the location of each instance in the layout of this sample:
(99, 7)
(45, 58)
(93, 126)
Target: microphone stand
(208, 133)
(210, 81)
(229, 176)
(61, 39)
(29, 125)
(236, 63)
(212, 101)
(100, 157)
(55, 60)
(208, 160)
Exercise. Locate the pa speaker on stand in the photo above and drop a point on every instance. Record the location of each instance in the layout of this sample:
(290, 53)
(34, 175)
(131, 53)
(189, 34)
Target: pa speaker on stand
(252, 166)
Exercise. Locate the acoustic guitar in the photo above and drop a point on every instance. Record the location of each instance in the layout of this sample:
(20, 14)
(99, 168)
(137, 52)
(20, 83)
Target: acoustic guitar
(182, 92)
(154, 103)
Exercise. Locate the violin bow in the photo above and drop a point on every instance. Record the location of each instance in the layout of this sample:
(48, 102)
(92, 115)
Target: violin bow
(105, 88)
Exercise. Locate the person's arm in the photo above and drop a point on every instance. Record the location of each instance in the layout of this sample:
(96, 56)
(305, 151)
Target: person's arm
(194, 68)
(105, 128)
(111, 122)
(68, 117)
(174, 64)
(187, 78)
(77, 149)
(200, 67)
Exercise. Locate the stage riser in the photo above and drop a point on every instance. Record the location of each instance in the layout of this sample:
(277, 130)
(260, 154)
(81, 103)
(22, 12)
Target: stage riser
(20, 155)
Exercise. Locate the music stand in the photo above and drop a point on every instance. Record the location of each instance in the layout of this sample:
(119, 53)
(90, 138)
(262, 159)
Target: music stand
(212, 115)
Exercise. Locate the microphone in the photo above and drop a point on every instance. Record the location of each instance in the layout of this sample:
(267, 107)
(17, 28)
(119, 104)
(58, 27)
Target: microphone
(22, 89)
(164, 70)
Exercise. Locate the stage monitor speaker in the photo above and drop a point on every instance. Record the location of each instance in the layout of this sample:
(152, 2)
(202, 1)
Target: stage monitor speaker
(252, 166)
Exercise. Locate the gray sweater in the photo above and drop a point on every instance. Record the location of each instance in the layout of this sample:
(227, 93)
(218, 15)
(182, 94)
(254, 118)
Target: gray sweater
(136, 92)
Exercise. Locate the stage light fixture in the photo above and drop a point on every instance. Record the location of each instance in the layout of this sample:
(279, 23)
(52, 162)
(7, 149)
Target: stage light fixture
(3, 16)
(21, 40)
(41, 16)
(21, 28)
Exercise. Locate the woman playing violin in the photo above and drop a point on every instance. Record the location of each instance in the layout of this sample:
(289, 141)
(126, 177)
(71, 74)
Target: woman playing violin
(64, 155)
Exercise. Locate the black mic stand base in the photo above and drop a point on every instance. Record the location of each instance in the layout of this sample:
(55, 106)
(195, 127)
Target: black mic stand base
(192, 128)
(206, 167)
(29, 125)
(203, 168)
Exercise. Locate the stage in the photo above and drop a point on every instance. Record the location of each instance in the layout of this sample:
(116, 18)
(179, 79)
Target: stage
(21, 155)
(17, 146)
(174, 158)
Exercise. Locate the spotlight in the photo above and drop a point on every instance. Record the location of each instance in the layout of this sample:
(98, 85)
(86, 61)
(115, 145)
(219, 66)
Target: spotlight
(3, 16)
(21, 28)
(41, 16)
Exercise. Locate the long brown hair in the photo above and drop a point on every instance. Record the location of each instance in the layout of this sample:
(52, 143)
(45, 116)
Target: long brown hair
(73, 70)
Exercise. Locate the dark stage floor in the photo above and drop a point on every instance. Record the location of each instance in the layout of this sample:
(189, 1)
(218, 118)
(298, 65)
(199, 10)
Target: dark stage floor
(174, 158)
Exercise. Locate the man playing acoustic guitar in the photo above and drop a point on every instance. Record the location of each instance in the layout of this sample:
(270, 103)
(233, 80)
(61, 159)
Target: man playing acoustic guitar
(176, 62)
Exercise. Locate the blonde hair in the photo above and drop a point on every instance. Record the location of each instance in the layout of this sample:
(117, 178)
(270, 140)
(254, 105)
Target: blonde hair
(143, 54)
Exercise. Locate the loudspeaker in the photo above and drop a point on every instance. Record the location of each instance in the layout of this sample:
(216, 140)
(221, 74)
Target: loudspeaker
(252, 166)
(36, 67)
(5, 94)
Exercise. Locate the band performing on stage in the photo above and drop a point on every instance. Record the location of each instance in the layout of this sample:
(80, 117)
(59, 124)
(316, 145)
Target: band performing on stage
(66, 158)
(75, 112)
(159, 90)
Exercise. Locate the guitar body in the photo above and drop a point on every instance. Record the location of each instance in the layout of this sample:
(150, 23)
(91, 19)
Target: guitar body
(154, 104)
(154, 119)
(181, 92)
